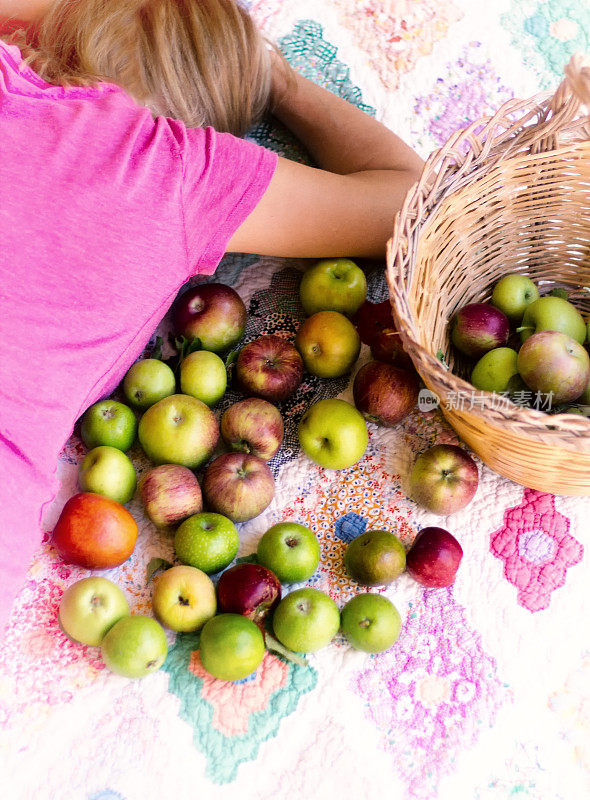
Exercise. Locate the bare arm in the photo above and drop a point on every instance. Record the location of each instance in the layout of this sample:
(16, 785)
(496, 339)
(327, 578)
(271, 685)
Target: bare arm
(347, 206)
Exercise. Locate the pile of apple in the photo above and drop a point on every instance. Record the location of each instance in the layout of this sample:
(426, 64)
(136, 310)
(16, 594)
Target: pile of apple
(547, 359)
(180, 432)
(240, 618)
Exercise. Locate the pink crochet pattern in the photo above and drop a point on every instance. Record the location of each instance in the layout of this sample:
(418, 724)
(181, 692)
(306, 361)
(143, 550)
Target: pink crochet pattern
(536, 547)
(433, 693)
(396, 35)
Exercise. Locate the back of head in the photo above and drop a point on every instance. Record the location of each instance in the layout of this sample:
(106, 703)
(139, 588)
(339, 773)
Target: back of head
(201, 61)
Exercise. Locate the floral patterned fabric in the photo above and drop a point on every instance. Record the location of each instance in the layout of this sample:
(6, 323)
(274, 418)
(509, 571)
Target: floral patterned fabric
(485, 694)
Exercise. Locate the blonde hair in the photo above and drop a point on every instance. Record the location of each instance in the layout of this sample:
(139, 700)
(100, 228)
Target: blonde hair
(201, 61)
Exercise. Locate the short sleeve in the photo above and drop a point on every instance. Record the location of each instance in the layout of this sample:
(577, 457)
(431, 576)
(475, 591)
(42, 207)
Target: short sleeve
(224, 178)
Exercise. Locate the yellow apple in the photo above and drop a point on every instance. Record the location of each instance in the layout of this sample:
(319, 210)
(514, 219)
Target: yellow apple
(328, 343)
(184, 598)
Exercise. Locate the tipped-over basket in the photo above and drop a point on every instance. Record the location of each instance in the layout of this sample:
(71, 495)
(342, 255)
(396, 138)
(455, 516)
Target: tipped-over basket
(511, 193)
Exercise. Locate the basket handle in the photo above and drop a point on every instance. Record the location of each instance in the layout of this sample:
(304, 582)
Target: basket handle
(577, 80)
(560, 114)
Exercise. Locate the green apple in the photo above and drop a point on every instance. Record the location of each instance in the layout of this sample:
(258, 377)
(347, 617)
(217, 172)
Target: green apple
(107, 471)
(203, 375)
(290, 550)
(371, 623)
(328, 343)
(135, 646)
(335, 284)
(90, 607)
(178, 430)
(333, 433)
(515, 388)
(207, 541)
(512, 294)
(147, 381)
(375, 558)
(232, 647)
(553, 314)
(588, 336)
(493, 371)
(184, 598)
(109, 422)
(306, 620)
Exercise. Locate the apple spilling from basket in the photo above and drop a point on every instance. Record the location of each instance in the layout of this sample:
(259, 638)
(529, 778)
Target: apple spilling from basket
(170, 412)
(529, 348)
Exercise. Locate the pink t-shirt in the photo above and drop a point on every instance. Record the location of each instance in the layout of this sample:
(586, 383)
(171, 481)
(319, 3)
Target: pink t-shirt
(104, 214)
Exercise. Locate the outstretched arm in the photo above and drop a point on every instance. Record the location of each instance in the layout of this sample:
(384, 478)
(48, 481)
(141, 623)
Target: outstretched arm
(344, 208)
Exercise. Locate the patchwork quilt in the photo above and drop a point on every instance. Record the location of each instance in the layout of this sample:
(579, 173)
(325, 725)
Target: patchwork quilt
(486, 694)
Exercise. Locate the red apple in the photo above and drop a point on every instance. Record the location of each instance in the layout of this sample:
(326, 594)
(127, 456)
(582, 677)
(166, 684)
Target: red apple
(555, 365)
(94, 532)
(444, 479)
(269, 367)
(253, 426)
(434, 558)
(238, 485)
(387, 346)
(248, 589)
(212, 312)
(371, 319)
(170, 494)
(479, 327)
(384, 394)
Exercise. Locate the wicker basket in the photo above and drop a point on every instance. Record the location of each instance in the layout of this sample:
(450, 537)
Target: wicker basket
(511, 193)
